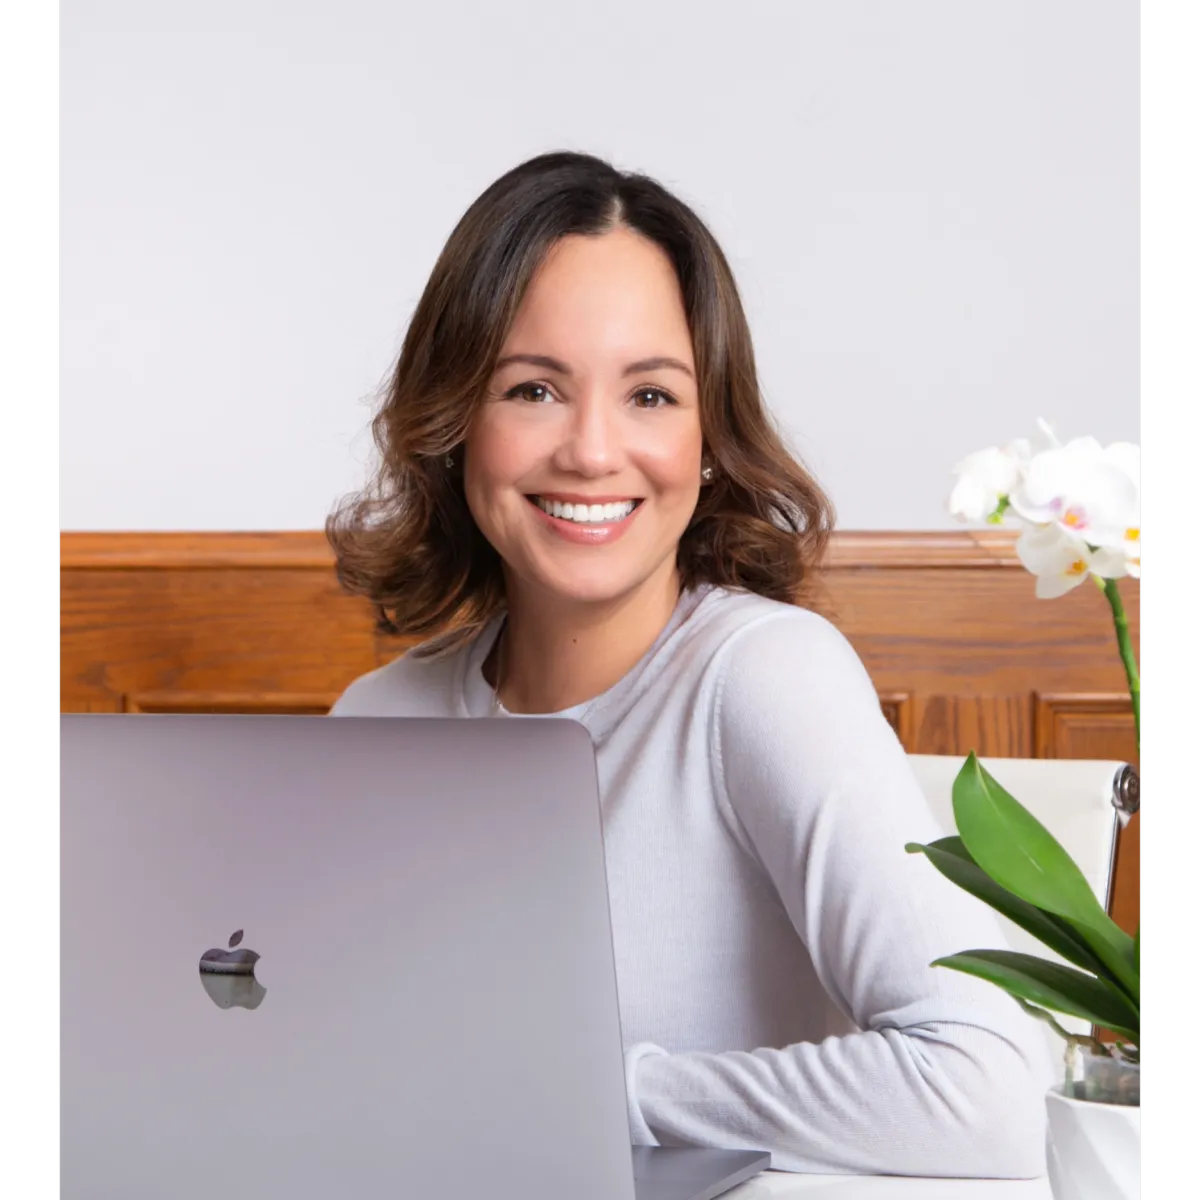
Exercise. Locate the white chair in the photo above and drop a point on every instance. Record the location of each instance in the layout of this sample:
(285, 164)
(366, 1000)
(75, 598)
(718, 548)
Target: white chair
(1082, 802)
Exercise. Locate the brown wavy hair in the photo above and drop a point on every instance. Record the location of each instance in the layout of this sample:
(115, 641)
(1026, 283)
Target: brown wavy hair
(408, 542)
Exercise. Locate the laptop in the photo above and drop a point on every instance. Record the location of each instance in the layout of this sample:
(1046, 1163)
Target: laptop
(307, 957)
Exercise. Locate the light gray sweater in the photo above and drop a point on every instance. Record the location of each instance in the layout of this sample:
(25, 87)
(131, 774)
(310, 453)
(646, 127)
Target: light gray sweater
(772, 937)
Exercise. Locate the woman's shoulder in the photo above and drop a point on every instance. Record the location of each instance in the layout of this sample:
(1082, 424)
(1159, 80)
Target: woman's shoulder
(418, 683)
(747, 620)
(791, 690)
(763, 647)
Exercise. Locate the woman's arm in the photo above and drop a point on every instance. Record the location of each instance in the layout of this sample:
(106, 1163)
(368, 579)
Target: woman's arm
(947, 1076)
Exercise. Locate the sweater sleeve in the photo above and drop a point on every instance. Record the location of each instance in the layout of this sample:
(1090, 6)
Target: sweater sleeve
(944, 1075)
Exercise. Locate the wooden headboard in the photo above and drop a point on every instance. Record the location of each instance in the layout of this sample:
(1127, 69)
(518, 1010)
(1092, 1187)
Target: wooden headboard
(962, 655)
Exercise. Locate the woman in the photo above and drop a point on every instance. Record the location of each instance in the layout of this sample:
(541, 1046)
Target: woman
(579, 480)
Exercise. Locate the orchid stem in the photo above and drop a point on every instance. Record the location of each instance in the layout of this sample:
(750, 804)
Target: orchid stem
(1125, 645)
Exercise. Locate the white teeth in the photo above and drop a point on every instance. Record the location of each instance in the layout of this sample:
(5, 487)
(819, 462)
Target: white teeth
(590, 514)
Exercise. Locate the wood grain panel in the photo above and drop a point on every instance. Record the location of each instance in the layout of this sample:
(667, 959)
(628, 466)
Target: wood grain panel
(996, 726)
(246, 703)
(297, 550)
(898, 709)
(215, 629)
(975, 631)
(962, 654)
(1085, 726)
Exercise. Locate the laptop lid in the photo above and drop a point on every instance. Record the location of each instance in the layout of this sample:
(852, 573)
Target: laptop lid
(424, 906)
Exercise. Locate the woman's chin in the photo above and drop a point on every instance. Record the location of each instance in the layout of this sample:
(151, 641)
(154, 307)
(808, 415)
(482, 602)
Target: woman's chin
(576, 591)
(581, 583)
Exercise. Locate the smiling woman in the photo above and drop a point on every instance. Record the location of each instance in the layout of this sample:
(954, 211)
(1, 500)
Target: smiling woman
(604, 449)
(581, 493)
(581, 333)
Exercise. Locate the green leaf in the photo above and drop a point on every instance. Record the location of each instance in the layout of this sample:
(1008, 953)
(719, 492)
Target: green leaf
(1051, 986)
(954, 861)
(1016, 850)
(1137, 948)
(1114, 947)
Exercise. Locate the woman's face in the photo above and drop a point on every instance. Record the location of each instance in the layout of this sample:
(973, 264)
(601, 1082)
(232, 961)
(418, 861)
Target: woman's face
(583, 463)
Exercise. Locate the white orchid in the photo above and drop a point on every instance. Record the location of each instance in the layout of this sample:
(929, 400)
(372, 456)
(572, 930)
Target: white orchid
(1133, 552)
(1128, 458)
(1090, 492)
(1079, 504)
(1061, 562)
(985, 478)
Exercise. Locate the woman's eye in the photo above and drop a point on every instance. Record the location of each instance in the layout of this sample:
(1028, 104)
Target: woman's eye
(535, 393)
(652, 398)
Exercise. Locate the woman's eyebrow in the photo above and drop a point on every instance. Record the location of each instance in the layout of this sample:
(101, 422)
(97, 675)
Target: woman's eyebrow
(553, 364)
(535, 360)
(657, 364)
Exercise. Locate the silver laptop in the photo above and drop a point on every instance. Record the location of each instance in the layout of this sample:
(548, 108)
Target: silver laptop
(308, 958)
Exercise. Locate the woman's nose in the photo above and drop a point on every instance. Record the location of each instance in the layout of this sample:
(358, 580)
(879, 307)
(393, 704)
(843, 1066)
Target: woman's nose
(591, 443)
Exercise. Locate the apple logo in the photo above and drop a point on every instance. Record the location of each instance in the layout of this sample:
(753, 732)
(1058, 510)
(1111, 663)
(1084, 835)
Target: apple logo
(228, 976)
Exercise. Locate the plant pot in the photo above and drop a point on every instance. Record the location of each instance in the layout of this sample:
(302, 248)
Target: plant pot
(1106, 1080)
(1094, 1146)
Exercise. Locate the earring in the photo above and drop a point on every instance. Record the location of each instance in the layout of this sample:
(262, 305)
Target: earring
(706, 474)
(449, 462)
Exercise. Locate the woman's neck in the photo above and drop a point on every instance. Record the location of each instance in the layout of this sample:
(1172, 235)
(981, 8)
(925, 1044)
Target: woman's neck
(554, 655)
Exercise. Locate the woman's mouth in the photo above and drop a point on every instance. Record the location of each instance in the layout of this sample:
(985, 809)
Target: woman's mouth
(582, 513)
(582, 522)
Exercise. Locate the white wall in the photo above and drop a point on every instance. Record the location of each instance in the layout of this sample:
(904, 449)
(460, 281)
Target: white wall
(931, 207)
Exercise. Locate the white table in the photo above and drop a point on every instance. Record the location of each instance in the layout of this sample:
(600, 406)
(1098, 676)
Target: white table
(778, 1185)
